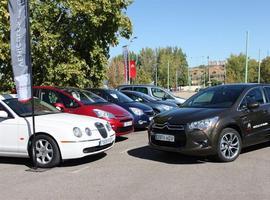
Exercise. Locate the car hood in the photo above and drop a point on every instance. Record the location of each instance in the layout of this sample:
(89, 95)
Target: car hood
(116, 110)
(135, 104)
(64, 119)
(187, 115)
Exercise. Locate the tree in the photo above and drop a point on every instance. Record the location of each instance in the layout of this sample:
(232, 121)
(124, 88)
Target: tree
(265, 70)
(116, 72)
(70, 40)
(235, 69)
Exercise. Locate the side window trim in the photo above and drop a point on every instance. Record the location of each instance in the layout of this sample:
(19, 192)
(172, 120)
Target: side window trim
(262, 92)
(267, 96)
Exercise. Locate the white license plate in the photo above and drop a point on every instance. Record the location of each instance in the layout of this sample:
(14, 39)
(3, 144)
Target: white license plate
(129, 123)
(162, 137)
(106, 141)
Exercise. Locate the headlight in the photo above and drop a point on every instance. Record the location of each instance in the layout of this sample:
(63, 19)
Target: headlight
(88, 131)
(137, 111)
(108, 126)
(77, 132)
(203, 124)
(103, 114)
(165, 107)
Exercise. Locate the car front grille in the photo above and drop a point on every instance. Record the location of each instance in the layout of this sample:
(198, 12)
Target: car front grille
(178, 131)
(101, 129)
(97, 148)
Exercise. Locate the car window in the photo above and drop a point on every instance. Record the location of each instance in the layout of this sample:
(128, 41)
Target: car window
(2, 108)
(216, 97)
(68, 102)
(254, 95)
(126, 88)
(141, 89)
(267, 93)
(49, 96)
(159, 93)
(135, 98)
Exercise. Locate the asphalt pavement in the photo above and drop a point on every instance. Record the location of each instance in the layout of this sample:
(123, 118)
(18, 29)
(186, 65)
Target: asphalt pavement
(132, 170)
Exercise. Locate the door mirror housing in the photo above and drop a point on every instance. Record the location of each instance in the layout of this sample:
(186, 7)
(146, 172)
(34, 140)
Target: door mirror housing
(3, 114)
(59, 106)
(253, 105)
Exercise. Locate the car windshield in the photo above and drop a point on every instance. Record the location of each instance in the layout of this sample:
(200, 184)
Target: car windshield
(85, 97)
(25, 109)
(119, 96)
(149, 98)
(216, 97)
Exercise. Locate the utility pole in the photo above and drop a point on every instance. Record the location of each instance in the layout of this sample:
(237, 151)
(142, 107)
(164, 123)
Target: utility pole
(209, 80)
(259, 69)
(246, 67)
(156, 73)
(168, 75)
(176, 80)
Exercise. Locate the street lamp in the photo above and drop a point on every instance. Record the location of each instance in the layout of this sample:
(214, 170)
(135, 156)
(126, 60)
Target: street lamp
(127, 59)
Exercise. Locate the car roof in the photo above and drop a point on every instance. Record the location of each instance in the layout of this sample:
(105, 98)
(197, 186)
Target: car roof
(143, 85)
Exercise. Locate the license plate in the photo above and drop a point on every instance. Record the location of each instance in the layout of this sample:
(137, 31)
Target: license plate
(106, 141)
(127, 123)
(162, 137)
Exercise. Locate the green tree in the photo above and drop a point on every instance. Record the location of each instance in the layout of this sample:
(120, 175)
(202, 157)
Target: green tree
(70, 40)
(176, 60)
(235, 69)
(115, 72)
(265, 70)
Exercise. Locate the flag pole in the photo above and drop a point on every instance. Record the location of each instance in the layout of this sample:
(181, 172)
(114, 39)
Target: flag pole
(32, 81)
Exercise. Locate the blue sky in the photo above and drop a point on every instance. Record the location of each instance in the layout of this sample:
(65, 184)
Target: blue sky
(214, 28)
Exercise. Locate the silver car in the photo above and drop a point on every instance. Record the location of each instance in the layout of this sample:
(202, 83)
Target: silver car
(154, 91)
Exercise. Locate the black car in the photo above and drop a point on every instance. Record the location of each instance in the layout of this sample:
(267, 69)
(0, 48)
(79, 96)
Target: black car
(141, 113)
(157, 104)
(218, 121)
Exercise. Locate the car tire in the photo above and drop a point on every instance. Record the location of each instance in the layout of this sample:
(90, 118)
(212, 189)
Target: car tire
(229, 145)
(47, 152)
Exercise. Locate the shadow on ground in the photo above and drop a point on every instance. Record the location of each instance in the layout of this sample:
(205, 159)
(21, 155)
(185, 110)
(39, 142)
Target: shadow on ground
(120, 139)
(16, 161)
(147, 153)
(84, 160)
(255, 147)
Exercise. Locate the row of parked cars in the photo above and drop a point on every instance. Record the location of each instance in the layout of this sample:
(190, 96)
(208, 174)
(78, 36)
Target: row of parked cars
(218, 121)
(62, 135)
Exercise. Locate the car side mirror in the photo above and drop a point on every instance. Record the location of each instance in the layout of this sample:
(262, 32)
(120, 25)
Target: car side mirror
(3, 114)
(59, 106)
(253, 105)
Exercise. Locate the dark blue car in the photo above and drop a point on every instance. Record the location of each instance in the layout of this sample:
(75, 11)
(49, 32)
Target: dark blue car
(142, 114)
(157, 104)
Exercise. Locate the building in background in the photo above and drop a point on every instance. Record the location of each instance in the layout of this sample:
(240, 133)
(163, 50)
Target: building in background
(200, 75)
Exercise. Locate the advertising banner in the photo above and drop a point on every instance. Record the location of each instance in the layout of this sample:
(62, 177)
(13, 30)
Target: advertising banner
(20, 47)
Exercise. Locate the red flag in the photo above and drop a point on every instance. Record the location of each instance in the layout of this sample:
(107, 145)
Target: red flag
(133, 71)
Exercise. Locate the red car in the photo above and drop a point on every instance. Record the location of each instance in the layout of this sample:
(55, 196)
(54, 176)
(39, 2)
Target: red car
(76, 101)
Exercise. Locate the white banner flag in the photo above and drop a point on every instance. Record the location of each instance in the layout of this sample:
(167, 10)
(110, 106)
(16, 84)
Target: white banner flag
(20, 47)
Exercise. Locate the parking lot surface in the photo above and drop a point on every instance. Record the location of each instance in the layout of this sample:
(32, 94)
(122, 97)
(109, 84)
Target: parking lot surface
(132, 170)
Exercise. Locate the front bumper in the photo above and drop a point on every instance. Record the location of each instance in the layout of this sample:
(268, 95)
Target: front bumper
(190, 143)
(79, 149)
(118, 125)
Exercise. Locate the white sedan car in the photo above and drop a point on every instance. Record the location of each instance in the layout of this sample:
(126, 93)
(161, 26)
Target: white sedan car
(59, 136)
